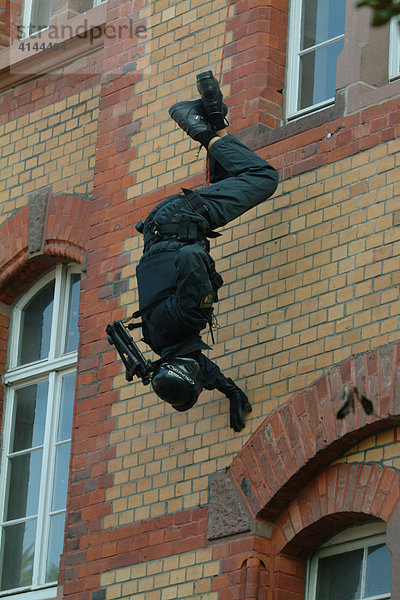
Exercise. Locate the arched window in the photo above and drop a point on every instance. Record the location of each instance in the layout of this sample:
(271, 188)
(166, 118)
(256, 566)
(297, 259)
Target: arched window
(40, 389)
(354, 564)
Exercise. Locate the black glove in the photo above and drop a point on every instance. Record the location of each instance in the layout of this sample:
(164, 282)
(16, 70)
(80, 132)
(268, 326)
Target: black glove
(238, 402)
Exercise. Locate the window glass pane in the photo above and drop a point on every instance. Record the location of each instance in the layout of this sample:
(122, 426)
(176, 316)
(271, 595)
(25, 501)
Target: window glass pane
(23, 498)
(40, 15)
(67, 407)
(30, 416)
(394, 47)
(318, 74)
(322, 21)
(36, 326)
(379, 570)
(71, 340)
(61, 477)
(56, 542)
(18, 549)
(339, 576)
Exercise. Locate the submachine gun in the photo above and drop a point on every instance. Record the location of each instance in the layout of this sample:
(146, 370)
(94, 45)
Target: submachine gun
(134, 361)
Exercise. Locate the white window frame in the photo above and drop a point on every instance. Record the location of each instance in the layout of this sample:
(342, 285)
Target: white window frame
(394, 48)
(293, 61)
(353, 538)
(53, 369)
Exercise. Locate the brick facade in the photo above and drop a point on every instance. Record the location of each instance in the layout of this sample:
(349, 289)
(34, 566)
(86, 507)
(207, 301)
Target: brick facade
(310, 304)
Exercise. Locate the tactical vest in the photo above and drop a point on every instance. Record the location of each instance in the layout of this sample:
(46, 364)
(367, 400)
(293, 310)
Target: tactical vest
(184, 217)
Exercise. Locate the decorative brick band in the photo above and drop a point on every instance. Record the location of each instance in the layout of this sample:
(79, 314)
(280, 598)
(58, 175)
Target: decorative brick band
(303, 435)
(133, 544)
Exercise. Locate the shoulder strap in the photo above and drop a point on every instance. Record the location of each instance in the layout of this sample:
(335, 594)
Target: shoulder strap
(145, 309)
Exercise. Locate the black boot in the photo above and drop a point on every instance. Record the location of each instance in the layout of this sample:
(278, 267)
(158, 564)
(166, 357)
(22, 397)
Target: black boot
(211, 95)
(201, 110)
(238, 401)
(190, 117)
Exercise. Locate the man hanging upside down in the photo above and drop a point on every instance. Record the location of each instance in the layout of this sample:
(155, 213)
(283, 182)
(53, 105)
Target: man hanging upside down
(176, 276)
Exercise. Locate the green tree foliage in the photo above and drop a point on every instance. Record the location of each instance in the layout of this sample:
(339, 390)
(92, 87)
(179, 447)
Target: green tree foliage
(383, 10)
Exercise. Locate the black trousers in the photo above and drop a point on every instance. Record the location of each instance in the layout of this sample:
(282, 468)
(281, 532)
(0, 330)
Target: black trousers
(241, 180)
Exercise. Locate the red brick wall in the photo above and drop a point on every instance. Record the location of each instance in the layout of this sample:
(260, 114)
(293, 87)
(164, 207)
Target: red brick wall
(10, 18)
(258, 52)
(90, 549)
(44, 91)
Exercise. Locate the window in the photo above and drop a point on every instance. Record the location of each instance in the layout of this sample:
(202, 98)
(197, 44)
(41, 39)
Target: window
(353, 565)
(315, 41)
(394, 51)
(35, 16)
(39, 400)
(37, 13)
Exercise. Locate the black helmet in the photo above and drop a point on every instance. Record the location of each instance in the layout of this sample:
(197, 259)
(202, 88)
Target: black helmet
(175, 382)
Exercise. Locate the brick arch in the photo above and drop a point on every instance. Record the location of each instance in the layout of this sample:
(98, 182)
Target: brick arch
(339, 496)
(303, 435)
(31, 246)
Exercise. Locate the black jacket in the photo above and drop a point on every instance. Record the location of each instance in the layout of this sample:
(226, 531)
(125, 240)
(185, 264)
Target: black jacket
(178, 286)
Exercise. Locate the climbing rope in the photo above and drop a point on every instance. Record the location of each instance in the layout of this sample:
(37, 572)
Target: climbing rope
(207, 168)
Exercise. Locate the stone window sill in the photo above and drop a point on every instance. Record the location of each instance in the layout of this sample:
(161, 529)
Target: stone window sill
(349, 101)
